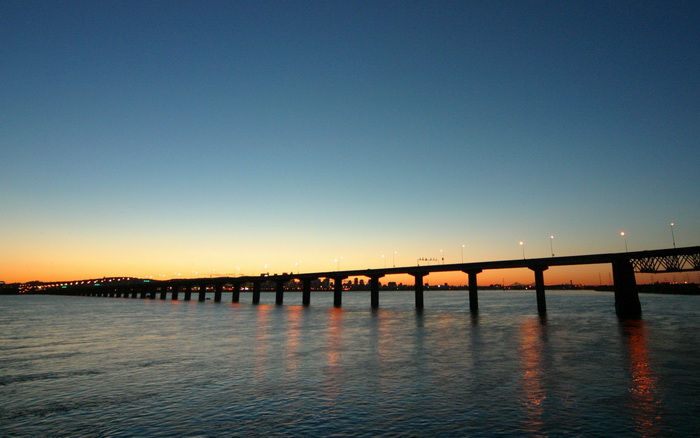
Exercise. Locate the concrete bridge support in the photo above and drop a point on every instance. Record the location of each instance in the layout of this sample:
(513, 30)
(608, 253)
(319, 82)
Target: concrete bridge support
(218, 288)
(338, 291)
(306, 291)
(202, 293)
(163, 292)
(627, 303)
(539, 288)
(256, 291)
(419, 290)
(279, 291)
(236, 293)
(374, 291)
(152, 292)
(473, 292)
(176, 290)
(188, 292)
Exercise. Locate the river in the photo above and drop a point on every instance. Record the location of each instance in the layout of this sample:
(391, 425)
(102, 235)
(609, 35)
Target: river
(118, 367)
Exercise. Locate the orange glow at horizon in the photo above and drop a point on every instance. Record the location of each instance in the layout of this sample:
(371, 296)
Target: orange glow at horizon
(164, 265)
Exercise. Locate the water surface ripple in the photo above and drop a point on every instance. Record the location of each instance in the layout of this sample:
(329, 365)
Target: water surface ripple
(106, 367)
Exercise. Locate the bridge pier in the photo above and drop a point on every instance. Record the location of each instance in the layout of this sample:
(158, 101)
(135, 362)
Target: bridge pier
(236, 293)
(202, 293)
(218, 288)
(279, 291)
(539, 288)
(163, 292)
(176, 290)
(374, 291)
(473, 291)
(188, 292)
(306, 291)
(419, 289)
(627, 303)
(338, 291)
(152, 292)
(256, 291)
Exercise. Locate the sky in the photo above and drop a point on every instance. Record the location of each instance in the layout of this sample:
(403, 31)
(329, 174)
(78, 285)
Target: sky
(179, 138)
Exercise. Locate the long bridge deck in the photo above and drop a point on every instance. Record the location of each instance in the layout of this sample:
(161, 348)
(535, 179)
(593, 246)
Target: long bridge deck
(624, 266)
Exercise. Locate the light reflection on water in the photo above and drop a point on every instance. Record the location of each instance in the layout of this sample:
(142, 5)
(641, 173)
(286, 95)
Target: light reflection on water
(532, 332)
(124, 367)
(645, 401)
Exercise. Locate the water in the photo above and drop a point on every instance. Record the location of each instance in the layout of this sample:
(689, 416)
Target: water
(98, 367)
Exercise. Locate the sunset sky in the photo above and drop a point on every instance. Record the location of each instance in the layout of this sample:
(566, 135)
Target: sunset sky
(157, 138)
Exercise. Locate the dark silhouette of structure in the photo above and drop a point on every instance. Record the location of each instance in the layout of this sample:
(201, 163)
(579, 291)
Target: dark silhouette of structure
(624, 266)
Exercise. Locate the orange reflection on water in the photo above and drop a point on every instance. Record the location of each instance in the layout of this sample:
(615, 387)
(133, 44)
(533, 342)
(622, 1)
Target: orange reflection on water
(532, 364)
(293, 337)
(644, 384)
(332, 373)
(335, 336)
(262, 343)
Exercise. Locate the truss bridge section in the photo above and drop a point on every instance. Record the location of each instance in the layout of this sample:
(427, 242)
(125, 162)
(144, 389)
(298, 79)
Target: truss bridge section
(667, 263)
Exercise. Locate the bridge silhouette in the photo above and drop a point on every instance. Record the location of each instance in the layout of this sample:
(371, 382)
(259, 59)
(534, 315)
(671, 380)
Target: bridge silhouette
(624, 267)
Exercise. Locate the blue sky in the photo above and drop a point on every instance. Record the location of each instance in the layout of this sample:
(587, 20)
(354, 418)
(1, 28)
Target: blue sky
(154, 138)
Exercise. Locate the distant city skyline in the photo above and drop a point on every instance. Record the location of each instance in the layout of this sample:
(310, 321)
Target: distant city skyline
(218, 138)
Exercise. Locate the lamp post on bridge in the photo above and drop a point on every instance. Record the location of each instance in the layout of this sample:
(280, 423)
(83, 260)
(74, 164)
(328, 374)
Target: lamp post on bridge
(624, 237)
(521, 243)
(461, 251)
(551, 244)
(673, 237)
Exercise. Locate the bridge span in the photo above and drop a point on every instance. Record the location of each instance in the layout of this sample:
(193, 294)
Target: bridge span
(624, 266)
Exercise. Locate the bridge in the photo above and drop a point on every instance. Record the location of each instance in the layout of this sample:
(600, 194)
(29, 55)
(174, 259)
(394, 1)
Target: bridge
(624, 267)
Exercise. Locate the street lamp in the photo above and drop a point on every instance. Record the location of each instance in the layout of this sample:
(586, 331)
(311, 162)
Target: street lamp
(384, 258)
(672, 235)
(551, 245)
(624, 236)
(394, 259)
(523, 245)
(461, 251)
(442, 257)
